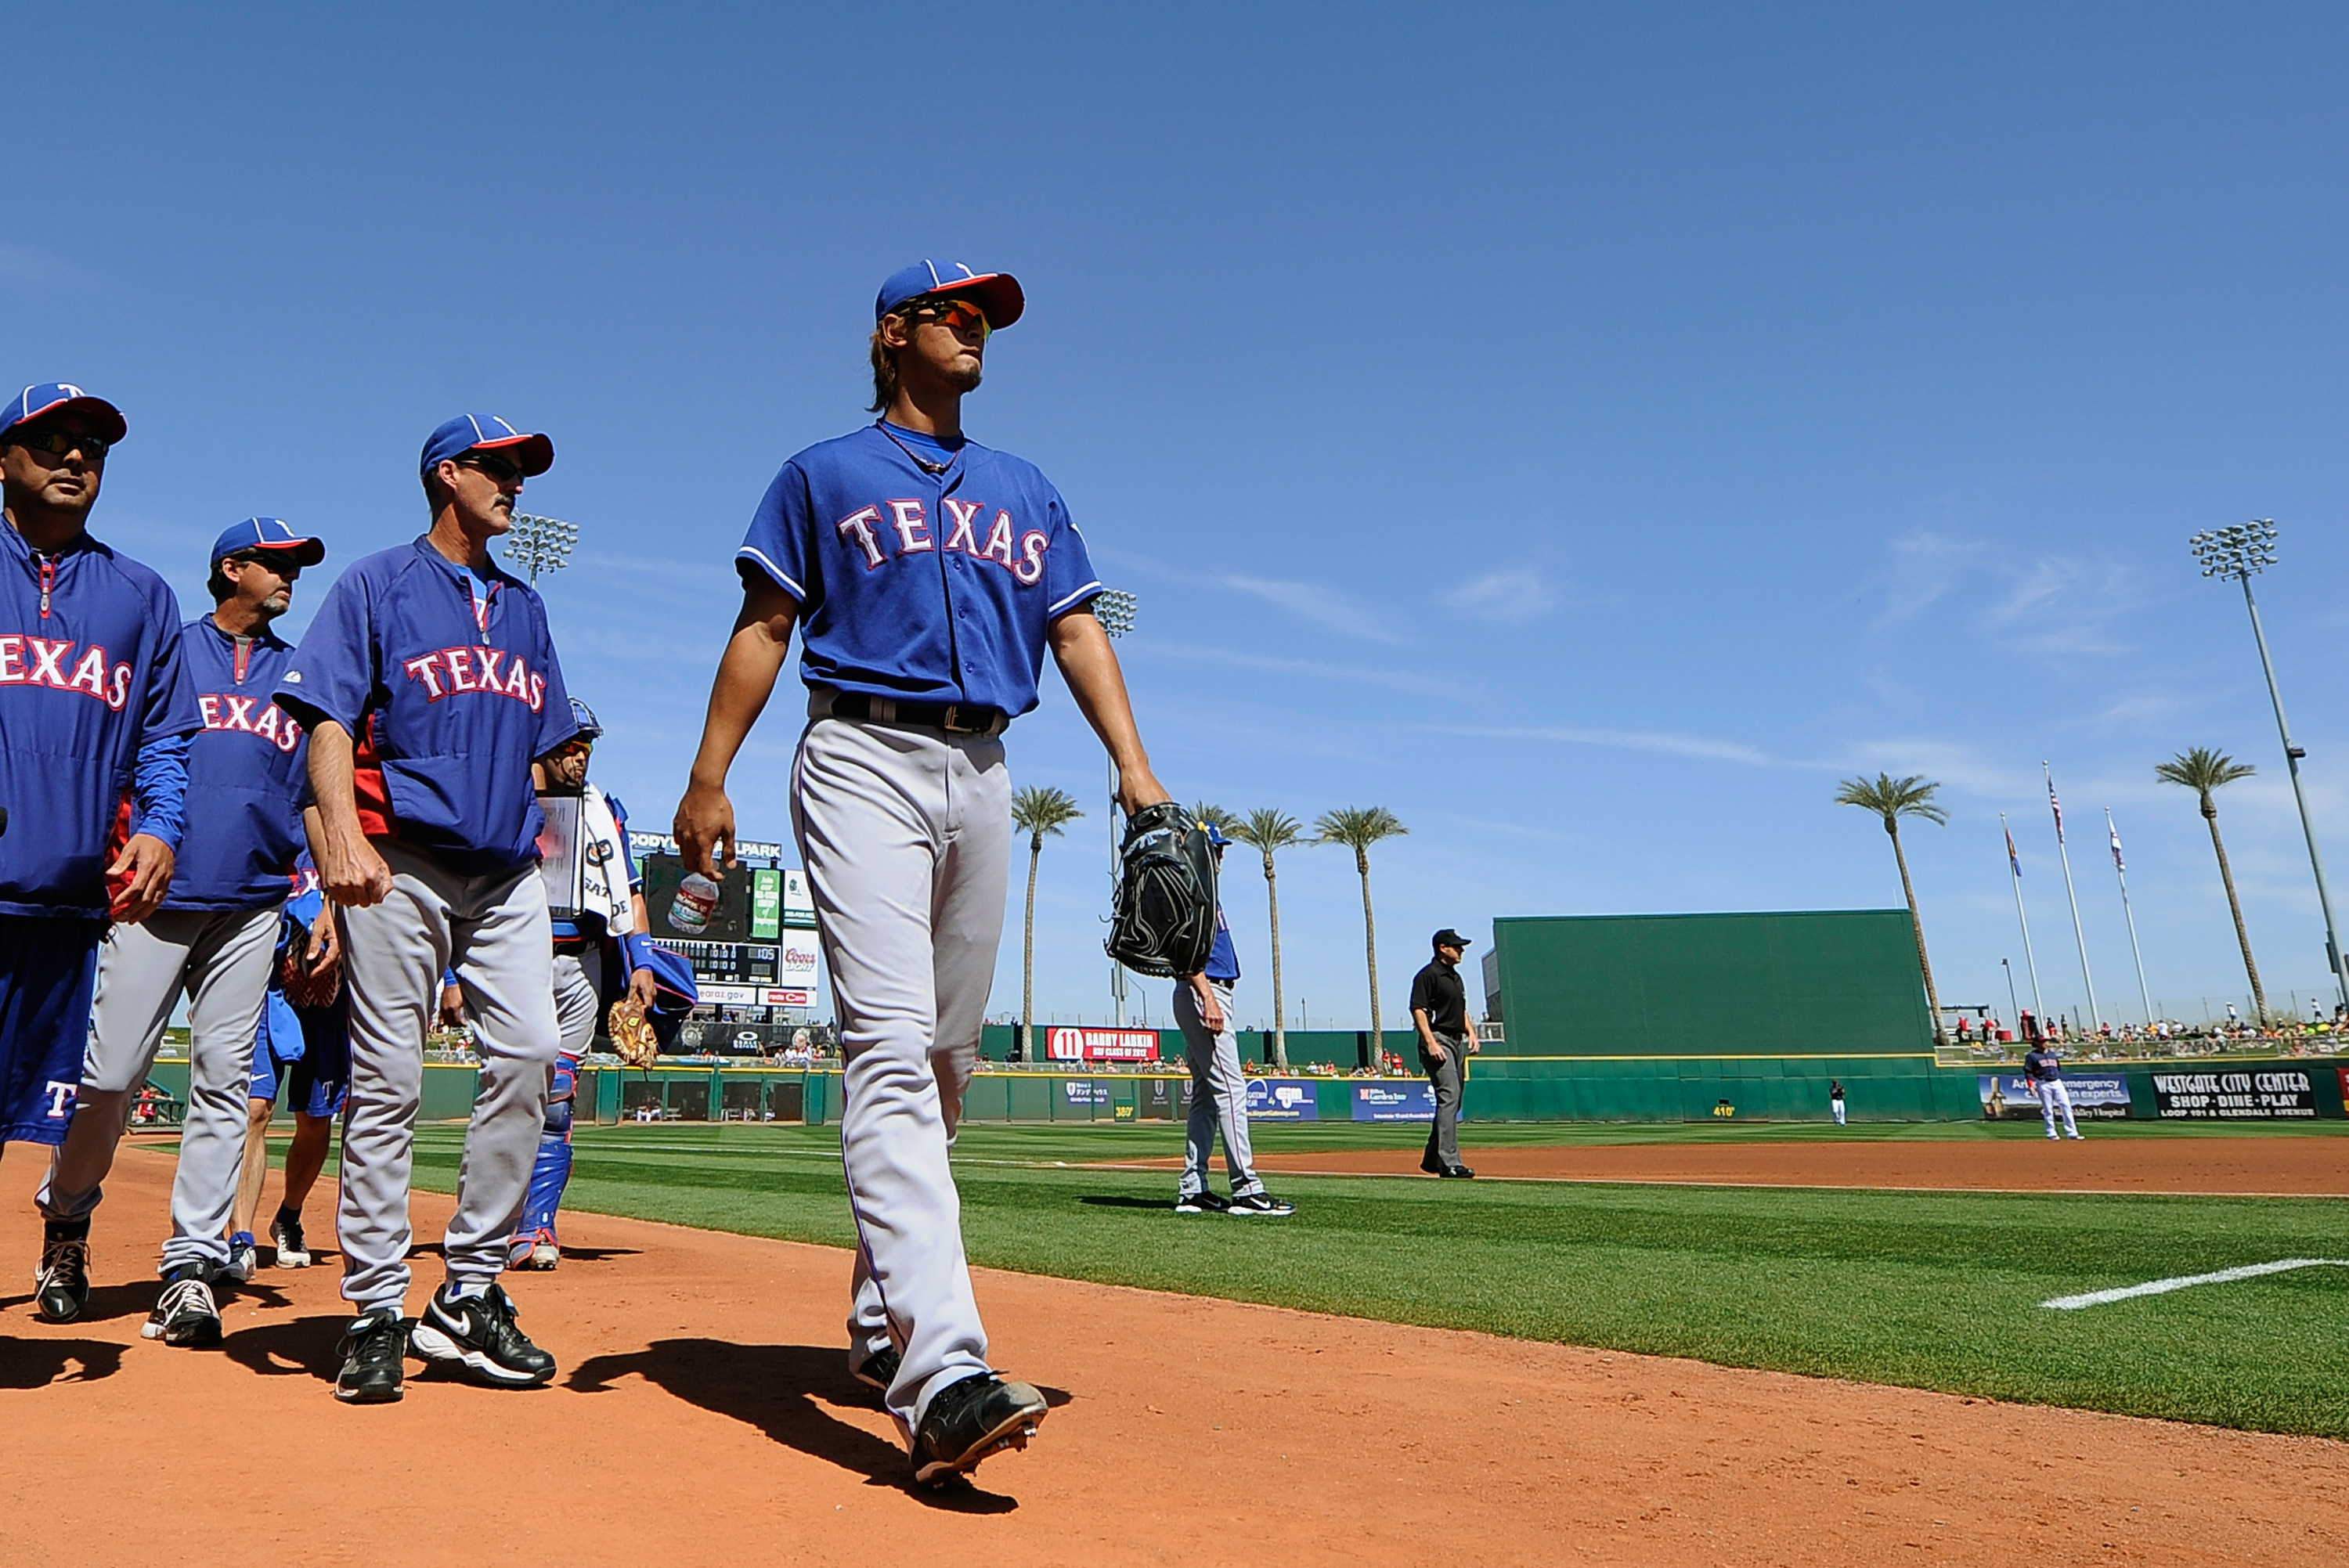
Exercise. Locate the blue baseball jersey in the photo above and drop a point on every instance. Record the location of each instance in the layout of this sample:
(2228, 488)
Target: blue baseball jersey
(923, 587)
(91, 672)
(245, 774)
(1222, 959)
(449, 697)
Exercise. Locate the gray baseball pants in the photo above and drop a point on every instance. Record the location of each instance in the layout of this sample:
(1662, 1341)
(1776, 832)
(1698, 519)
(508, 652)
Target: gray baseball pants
(492, 930)
(220, 960)
(1219, 1095)
(907, 837)
(577, 1004)
(1443, 1138)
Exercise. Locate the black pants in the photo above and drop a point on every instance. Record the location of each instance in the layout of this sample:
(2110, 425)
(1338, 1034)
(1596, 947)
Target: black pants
(1443, 1138)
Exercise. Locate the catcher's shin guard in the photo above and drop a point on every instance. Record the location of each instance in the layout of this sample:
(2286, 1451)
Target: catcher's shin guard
(548, 1178)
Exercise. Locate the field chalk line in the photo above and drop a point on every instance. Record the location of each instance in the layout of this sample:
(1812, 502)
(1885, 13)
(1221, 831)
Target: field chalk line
(2162, 1287)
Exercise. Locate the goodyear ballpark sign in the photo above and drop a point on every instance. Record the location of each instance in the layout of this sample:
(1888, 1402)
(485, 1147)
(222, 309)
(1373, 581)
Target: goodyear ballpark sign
(2244, 1095)
(1101, 1044)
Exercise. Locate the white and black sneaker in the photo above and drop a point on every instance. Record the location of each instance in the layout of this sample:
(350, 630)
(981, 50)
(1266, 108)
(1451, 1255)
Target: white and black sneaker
(244, 1258)
(477, 1333)
(185, 1314)
(1261, 1204)
(1200, 1203)
(374, 1348)
(285, 1235)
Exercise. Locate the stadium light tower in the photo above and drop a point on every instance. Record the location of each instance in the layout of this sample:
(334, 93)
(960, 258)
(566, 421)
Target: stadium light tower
(1114, 608)
(539, 544)
(2241, 551)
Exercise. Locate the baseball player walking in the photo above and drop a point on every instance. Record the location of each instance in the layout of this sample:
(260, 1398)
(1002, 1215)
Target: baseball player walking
(928, 574)
(429, 685)
(607, 923)
(212, 941)
(1203, 1008)
(1447, 1038)
(2044, 1066)
(95, 705)
(302, 1047)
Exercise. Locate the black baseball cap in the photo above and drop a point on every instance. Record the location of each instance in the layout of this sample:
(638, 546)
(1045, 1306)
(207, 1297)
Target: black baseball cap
(1447, 937)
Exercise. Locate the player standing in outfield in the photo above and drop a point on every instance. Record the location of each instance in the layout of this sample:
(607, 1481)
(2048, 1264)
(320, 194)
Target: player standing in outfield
(928, 574)
(2044, 1066)
(429, 685)
(212, 940)
(609, 923)
(304, 1046)
(1447, 1038)
(95, 705)
(1203, 1008)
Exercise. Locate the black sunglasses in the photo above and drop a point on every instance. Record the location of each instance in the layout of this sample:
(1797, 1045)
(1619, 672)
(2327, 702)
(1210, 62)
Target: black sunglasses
(497, 468)
(58, 443)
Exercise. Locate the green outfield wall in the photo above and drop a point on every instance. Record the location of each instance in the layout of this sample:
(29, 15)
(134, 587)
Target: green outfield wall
(1500, 1089)
(1808, 983)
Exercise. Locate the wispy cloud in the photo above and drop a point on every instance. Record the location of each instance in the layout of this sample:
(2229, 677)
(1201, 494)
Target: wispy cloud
(22, 266)
(2043, 604)
(1310, 669)
(1670, 743)
(1323, 606)
(1507, 596)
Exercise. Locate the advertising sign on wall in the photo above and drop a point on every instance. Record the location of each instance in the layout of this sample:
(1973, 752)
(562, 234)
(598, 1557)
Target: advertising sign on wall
(1066, 1044)
(2242, 1094)
(1394, 1102)
(1087, 1092)
(1282, 1099)
(2008, 1096)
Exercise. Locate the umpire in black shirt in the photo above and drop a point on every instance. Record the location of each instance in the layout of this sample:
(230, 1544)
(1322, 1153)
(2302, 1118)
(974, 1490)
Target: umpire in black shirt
(1439, 1007)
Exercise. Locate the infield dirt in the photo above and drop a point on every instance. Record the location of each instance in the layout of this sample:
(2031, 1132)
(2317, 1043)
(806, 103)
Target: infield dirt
(705, 1413)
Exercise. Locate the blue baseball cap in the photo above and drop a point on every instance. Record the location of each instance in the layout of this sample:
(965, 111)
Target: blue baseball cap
(1215, 835)
(486, 432)
(52, 397)
(269, 533)
(997, 293)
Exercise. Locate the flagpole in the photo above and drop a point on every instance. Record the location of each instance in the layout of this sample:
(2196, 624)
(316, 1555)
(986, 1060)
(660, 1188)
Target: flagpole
(2015, 866)
(2120, 870)
(2071, 892)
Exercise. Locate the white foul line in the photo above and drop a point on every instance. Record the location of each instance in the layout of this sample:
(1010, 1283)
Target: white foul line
(2161, 1286)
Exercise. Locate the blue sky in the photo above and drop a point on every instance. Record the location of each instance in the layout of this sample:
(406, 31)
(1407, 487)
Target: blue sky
(1588, 433)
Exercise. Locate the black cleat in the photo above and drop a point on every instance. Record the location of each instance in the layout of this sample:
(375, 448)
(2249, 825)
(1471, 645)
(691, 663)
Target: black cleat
(479, 1334)
(1201, 1203)
(375, 1350)
(879, 1370)
(285, 1235)
(1462, 1171)
(971, 1419)
(61, 1288)
(185, 1314)
(1263, 1204)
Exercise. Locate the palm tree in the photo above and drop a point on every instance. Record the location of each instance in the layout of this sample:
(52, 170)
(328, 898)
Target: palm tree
(2202, 771)
(1358, 828)
(1268, 831)
(1893, 799)
(1036, 811)
(1207, 812)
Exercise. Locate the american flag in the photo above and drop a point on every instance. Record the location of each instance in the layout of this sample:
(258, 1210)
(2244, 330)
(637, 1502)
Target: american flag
(2057, 807)
(2118, 864)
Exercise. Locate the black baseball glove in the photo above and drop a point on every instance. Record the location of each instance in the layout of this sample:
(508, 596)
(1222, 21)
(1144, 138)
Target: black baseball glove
(1165, 919)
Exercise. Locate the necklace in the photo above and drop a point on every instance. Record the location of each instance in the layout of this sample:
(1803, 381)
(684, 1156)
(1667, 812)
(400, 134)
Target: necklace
(921, 462)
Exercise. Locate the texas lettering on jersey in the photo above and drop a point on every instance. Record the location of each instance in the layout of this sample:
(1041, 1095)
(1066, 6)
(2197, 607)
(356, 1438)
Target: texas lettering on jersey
(41, 661)
(461, 671)
(908, 524)
(227, 711)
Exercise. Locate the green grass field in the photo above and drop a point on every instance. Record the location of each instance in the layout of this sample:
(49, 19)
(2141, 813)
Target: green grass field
(1927, 1289)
